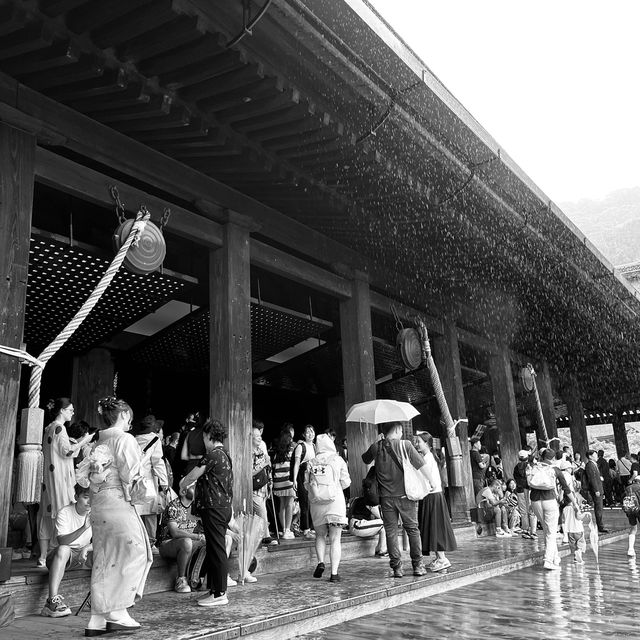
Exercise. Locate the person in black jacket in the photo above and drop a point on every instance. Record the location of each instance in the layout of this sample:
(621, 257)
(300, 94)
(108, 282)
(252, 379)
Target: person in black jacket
(593, 481)
(528, 521)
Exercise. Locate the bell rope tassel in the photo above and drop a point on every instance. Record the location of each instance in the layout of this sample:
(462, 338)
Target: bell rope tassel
(29, 474)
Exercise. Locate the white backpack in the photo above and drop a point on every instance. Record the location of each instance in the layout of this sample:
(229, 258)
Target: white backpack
(322, 482)
(541, 476)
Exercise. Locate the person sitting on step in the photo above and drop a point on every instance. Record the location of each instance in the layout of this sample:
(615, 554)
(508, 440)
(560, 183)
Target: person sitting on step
(73, 550)
(491, 502)
(178, 535)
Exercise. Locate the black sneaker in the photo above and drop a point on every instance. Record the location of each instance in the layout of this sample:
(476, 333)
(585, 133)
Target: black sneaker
(335, 577)
(319, 570)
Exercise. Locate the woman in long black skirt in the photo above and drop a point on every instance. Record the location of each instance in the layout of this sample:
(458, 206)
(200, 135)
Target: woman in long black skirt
(433, 515)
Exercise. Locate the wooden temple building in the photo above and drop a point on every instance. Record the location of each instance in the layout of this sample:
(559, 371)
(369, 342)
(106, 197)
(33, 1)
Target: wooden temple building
(317, 188)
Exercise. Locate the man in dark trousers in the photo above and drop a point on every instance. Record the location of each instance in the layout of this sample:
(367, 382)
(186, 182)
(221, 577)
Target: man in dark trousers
(594, 485)
(387, 454)
(607, 483)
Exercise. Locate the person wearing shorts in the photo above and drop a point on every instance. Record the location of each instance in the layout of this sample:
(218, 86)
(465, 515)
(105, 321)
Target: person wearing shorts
(178, 538)
(73, 550)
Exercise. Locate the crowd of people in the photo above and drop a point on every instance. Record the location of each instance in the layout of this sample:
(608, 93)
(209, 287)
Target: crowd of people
(557, 492)
(115, 493)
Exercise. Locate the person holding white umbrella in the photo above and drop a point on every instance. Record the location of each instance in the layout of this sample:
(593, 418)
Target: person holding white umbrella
(387, 453)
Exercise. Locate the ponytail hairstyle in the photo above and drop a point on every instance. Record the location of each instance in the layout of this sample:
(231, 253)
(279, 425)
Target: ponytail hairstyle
(110, 409)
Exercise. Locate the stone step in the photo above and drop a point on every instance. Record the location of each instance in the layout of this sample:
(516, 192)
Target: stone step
(287, 604)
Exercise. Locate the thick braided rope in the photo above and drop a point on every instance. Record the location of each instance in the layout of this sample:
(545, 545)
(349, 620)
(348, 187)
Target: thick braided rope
(543, 426)
(90, 303)
(450, 425)
(21, 355)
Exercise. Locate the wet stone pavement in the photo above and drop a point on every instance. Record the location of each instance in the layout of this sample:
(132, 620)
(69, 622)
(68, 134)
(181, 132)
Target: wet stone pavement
(590, 601)
(290, 604)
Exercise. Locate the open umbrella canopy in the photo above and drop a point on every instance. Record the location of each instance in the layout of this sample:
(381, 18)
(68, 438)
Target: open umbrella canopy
(377, 411)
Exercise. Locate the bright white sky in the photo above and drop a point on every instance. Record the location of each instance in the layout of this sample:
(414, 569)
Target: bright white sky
(555, 82)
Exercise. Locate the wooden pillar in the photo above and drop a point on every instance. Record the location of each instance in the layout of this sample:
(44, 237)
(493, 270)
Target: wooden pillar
(545, 391)
(575, 410)
(17, 153)
(92, 379)
(620, 435)
(505, 407)
(447, 356)
(335, 416)
(358, 374)
(230, 351)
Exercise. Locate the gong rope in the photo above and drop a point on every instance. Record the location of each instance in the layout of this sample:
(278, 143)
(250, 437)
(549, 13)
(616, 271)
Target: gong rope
(36, 373)
(450, 425)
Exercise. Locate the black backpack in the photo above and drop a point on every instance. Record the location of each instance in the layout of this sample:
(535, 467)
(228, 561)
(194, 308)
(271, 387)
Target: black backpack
(292, 463)
(370, 489)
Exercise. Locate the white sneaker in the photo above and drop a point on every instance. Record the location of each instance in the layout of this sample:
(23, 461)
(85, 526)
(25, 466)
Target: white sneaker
(212, 601)
(551, 566)
(231, 582)
(288, 535)
(250, 578)
(182, 586)
(501, 534)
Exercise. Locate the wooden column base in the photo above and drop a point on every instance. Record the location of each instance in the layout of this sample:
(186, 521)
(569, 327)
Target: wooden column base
(458, 503)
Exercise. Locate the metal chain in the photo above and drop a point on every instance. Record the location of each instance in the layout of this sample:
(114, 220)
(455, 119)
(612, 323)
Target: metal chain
(396, 317)
(165, 218)
(120, 210)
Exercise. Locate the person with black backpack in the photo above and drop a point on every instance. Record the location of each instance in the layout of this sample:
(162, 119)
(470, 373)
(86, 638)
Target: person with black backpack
(304, 451)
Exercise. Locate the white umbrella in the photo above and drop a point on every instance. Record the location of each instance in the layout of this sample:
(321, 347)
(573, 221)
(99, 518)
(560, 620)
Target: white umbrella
(377, 411)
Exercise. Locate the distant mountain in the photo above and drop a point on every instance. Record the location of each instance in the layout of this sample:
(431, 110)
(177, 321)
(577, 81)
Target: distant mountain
(612, 224)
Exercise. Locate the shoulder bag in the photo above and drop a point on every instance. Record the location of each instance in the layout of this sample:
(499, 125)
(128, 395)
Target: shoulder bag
(416, 486)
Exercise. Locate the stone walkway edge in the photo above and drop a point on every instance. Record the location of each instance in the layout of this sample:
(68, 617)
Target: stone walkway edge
(303, 621)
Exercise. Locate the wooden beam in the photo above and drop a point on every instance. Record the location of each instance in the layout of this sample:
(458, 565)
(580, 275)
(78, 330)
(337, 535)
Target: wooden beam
(71, 177)
(477, 342)
(281, 263)
(382, 304)
(16, 201)
(50, 120)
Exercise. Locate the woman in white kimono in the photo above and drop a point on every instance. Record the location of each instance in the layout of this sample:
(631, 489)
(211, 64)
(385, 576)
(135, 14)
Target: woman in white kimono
(121, 552)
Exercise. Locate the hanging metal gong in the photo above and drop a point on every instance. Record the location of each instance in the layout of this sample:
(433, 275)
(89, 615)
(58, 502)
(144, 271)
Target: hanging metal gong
(408, 342)
(148, 255)
(527, 379)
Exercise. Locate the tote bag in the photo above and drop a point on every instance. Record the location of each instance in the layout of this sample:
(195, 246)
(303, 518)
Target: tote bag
(416, 486)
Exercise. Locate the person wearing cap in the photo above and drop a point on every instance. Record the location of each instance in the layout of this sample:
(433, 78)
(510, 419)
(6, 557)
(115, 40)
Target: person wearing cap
(545, 506)
(528, 521)
(153, 469)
